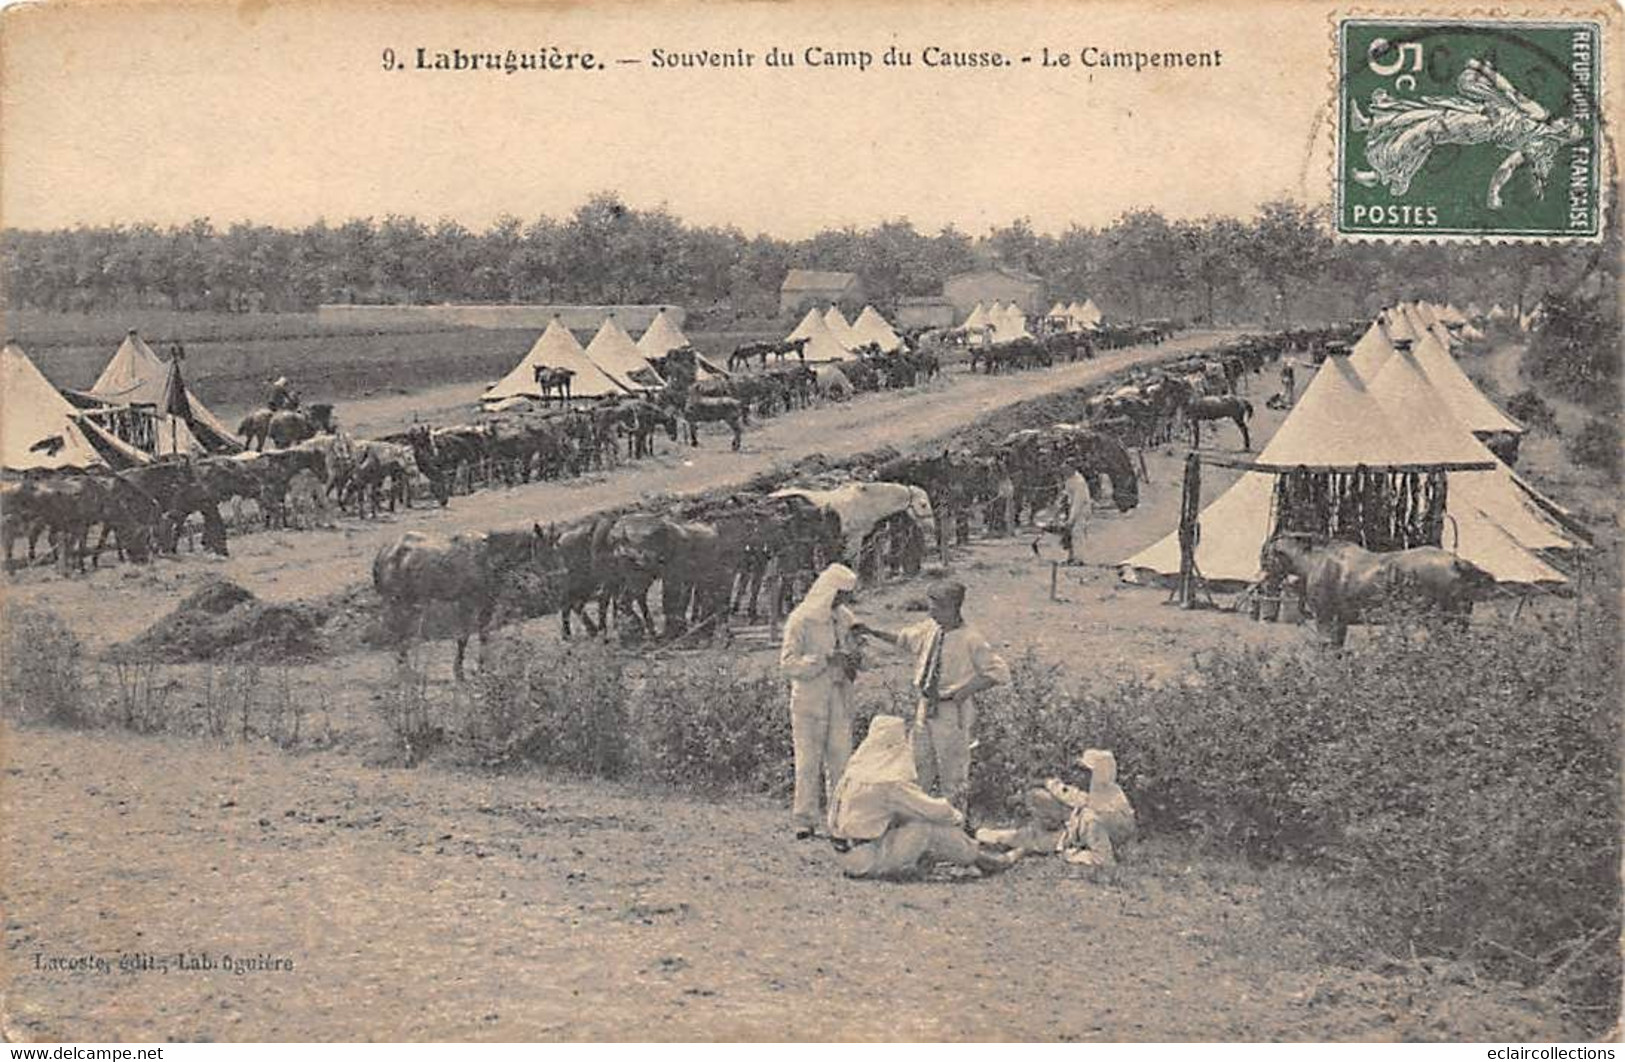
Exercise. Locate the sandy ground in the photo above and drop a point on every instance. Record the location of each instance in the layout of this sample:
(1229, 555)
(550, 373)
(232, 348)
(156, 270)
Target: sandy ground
(435, 905)
(442, 903)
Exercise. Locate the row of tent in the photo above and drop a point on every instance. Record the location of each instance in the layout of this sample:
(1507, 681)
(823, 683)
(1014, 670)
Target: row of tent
(1004, 323)
(137, 396)
(1398, 398)
(612, 364)
(831, 338)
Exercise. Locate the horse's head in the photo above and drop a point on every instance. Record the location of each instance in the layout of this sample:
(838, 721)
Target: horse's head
(1286, 553)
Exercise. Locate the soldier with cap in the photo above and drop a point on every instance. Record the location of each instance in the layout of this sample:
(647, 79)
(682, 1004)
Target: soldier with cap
(953, 663)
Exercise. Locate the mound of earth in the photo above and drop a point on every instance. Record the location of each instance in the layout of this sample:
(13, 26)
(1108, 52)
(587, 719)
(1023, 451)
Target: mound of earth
(221, 620)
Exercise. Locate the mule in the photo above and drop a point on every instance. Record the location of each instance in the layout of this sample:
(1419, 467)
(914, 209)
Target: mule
(1340, 583)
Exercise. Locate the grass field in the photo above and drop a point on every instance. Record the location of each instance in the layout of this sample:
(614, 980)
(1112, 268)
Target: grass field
(232, 357)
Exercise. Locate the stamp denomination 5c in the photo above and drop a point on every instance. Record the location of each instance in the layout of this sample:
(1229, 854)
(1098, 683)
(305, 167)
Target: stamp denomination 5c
(1463, 129)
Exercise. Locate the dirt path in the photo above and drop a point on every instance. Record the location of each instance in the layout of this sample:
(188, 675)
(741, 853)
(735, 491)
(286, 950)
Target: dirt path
(289, 566)
(435, 905)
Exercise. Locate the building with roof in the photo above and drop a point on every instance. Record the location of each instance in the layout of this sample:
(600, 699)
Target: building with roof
(818, 287)
(996, 284)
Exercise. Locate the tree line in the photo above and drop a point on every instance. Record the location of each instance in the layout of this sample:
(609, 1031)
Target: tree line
(1280, 266)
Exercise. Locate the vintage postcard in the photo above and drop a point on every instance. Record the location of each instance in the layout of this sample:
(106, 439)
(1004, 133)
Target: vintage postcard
(835, 521)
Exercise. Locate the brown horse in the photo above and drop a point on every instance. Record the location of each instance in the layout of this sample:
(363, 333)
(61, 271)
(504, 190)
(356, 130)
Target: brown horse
(1340, 583)
(285, 427)
(466, 570)
(1219, 407)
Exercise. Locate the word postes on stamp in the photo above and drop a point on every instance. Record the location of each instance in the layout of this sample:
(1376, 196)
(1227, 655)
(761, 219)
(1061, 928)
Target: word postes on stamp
(1469, 129)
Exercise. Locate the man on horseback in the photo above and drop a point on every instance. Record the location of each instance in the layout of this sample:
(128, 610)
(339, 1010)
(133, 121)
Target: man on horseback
(282, 396)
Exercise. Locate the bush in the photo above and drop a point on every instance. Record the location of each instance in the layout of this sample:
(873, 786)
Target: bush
(1461, 785)
(1596, 445)
(1532, 410)
(706, 725)
(565, 710)
(41, 669)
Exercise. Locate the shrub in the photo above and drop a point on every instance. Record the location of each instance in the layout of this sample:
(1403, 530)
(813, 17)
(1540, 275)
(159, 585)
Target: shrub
(41, 669)
(1461, 785)
(705, 724)
(1532, 410)
(1596, 445)
(564, 710)
(404, 706)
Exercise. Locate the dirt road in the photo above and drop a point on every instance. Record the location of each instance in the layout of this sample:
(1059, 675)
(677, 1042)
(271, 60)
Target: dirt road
(289, 566)
(450, 906)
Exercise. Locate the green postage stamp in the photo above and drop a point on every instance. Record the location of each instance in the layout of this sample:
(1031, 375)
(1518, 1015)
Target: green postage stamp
(1452, 129)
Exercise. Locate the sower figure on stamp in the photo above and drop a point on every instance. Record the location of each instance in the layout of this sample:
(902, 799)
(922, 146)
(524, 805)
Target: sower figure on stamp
(953, 664)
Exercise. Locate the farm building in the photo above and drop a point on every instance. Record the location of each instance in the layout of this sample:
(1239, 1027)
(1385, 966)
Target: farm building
(926, 311)
(995, 284)
(817, 287)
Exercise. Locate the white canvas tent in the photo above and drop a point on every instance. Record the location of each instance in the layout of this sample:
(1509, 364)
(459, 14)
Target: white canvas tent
(662, 337)
(1467, 403)
(40, 429)
(976, 325)
(1089, 315)
(135, 376)
(870, 327)
(556, 348)
(821, 345)
(1498, 313)
(1057, 311)
(613, 351)
(1340, 421)
(838, 327)
(1409, 398)
(1011, 324)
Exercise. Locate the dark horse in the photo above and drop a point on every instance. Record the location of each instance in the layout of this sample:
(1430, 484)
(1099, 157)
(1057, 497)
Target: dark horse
(1219, 407)
(1340, 582)
(702, 409)
(465, 570)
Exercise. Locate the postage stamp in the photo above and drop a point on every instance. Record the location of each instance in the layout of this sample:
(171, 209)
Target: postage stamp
(1463, 129)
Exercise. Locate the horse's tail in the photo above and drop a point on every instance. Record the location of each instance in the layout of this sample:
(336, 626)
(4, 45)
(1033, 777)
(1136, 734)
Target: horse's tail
(1246, 409)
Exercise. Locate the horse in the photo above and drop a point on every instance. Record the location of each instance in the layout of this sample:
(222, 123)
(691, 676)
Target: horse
(552, 380)
(284, 427)
(466, 570)
(1340, 582)
(1219, 407)
(863, 507)
(700, 409)
(646, 417)
(182, 488)
(740, 358)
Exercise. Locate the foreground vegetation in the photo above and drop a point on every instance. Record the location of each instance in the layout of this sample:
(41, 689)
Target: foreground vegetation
(1428, 792)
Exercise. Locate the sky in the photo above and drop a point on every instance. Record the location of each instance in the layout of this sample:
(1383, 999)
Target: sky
(282, 114)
